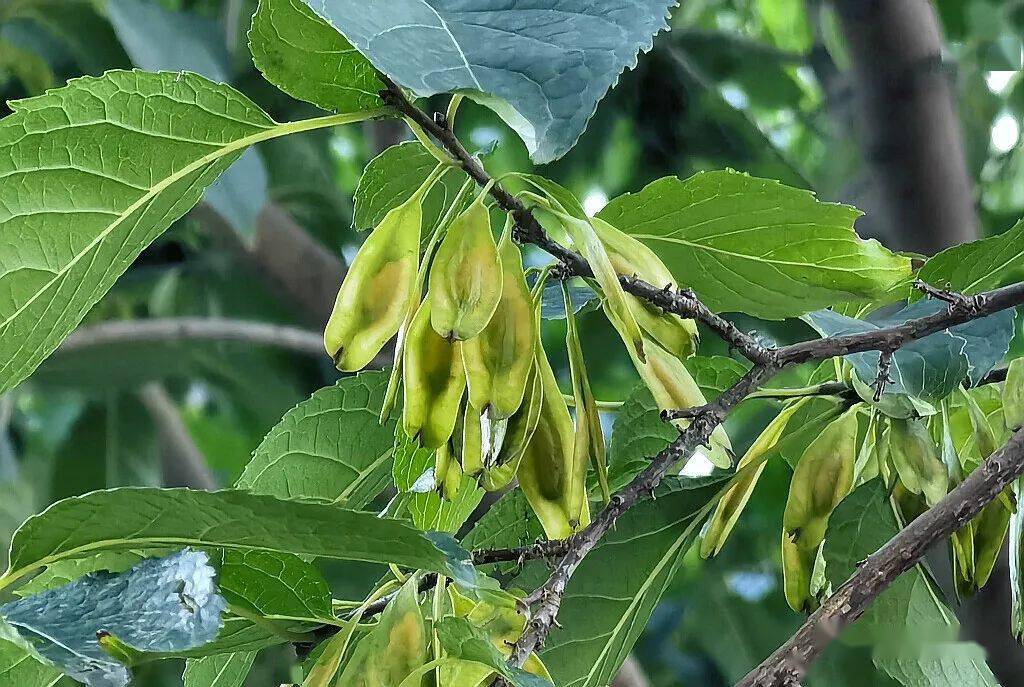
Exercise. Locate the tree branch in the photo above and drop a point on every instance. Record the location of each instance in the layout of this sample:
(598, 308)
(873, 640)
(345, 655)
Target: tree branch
(194, 328)
(767, 362)
(790, 662)
(183, 464)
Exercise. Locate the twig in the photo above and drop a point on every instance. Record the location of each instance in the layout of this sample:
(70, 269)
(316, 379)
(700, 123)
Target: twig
(883, 378)
(194, 328)
(528, 230)
(790, 662)
(767, 362)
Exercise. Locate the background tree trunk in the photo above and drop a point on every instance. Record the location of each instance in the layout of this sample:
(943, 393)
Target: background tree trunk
(909, 130)
(911, 141)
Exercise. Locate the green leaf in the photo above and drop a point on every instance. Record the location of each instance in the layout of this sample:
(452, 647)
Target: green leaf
(271, 583)
(942, 664)
(18, 667)
(414, 476)
(463, 640)
(330, 447)
(223, 670)
(77, 213)
(392, 177)
(161, 605)
(140, 518)
(912, 630)
(755, 246)
(638, 435)
(980, 265)
(931, 367)
(543, 68)
(604, 610)
(305, 57)
(714, 373)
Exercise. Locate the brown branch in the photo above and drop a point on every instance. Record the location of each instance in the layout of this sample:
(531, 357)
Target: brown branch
(528, 230)
(768, 361)
(790, 662)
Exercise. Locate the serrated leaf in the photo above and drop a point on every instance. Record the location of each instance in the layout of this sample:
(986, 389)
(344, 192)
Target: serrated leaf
(76, 212)
(223, 670)
(392, 177)
(330, 447)
(140, 518)
(980, 265)
(161, 605)
(755, 246)
(607, 605)
(305, 57)
(931, 367)
(542, 68)
(271, 583)
(414, 476)
(463, 640)
(714, 373)
(945, 664)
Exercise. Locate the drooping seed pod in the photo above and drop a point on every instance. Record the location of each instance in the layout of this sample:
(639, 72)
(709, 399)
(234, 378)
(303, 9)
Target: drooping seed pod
(1013, 394)
(499, 359)
(990, 528)
(465, 277)
(501, 467)
(631, 257)
(472, 440)
(914, 455)
(378, 290)
(673, 387)
(547, 463)
(728, 510)
(588, 446)
(394, 648)
(434, 381)
(821, 480)
(615, 301)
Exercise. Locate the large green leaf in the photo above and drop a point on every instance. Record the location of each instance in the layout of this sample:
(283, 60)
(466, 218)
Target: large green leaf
(76, 211)
(140, 518)
(542, 66)
(980, 265)
(305, 57)
(912, 630)
(271, 583)
(607, 603)
(392, 177)
(223, 670)
(755, 246)
(330, 447)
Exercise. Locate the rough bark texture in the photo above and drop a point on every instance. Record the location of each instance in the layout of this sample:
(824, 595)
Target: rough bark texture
(909, 129)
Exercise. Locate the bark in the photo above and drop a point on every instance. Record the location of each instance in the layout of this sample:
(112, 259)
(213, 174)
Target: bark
(909, 130)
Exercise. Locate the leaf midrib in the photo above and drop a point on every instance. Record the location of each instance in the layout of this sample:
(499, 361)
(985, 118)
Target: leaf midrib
(240, 144)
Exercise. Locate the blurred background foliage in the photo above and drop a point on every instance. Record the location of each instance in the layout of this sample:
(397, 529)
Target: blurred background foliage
(762, 86)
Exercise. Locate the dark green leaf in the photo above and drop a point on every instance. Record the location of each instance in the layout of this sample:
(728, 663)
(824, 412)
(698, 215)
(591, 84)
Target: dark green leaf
(392, 177)
(271, 583)
(715, 373)
(90, 213)
(980, 265)
(305, 57)
(543, 68)
(161, 605)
